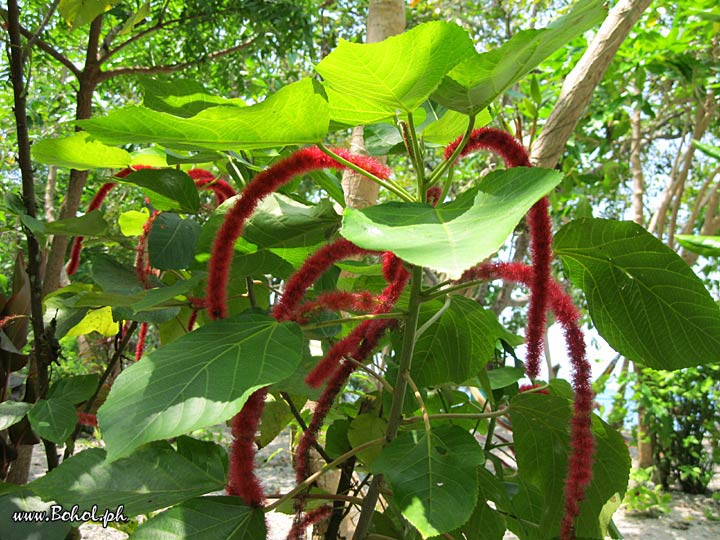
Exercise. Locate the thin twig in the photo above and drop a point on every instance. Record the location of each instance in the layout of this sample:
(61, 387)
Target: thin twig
(457, 416)
(296, 413)
(420, 400)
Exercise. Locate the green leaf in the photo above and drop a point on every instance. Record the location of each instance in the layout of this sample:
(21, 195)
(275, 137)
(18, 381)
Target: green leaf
(199, 380)
(114, 277)
(280, 221)
(456, 346)
(451, 126)
(20, 499)
(276, 415)
(172, 241)
(75, 389)
(366, 427)
(446, 238)
(169, 189)
(78, 13)
(181, 97)
(132, 222)
(53, 419)
(154, 297)
(473, 84)
(80, 152)
(707, 246)
(643, 298)
(209, 518)
(364, 83)
(153, 477)
(91, 224)
(11, 412)
(712, 151)
(296, 114)
(542, 444)
(433, 477)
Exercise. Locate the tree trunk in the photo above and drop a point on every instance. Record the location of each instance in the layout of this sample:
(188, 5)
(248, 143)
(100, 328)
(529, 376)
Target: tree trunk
(582, 80)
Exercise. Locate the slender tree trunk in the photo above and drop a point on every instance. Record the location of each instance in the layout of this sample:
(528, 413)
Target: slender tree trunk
(582, 80)
(636, 166)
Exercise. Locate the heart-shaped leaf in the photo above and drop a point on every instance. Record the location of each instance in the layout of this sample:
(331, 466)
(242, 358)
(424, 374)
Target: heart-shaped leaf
(364, 84)
(169, 189)
(296, 114)
(473, 84)
(643, 298)
(452, 237)
(433, 477)
(199, 380)
(79, 151)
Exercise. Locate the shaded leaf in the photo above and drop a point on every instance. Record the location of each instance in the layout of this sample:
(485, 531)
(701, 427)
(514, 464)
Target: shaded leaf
(181, 97)
(172, 242)
(53, 419)
(169, 189)
(75, 389)
(11, 412)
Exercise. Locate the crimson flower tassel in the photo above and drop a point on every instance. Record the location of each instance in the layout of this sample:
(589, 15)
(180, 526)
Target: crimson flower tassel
(582, 442)
(87, 419)
(515, 155)
(363, 301)
(268, 181)
(140, 347)
(206, 180)
(297, 532)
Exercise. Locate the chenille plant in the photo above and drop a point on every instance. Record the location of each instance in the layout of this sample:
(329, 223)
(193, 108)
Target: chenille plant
(365, 331)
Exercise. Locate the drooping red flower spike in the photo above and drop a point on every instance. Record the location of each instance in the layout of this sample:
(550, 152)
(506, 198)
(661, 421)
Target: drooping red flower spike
(297, 532)
(363, 301)
(302, 161)
(528, 387)
(87, 419)
(515, 155)
(142, 262)
(242, 481)
(433, 195)
(140, 347)
(95, 203)
(204, 179)
(582, 442)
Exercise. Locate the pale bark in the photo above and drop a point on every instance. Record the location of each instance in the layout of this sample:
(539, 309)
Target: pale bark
(582, 80)
(636, 165)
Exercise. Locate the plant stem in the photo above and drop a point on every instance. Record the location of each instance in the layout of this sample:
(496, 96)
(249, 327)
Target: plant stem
(416, 157)
(456, 416)
(299, 419)
(395, 416)
(454, 288)
(418, 396)
(445, 165)
(387, 184)
(310, 479)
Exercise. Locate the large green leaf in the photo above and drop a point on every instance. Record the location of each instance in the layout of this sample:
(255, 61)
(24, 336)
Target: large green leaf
(199, 380)
(181, 97)
(473, 84)
(169, 189)
(75, 389)
(113, 276)
(153, 477)
(433, 477)
(452, 237)
(542, 444)
(464, 330)
(365, 85)
(172, 241)
(53, 419)
(281, 221)
(296, 114)
(79, 151)
(153, 297)
(644, 299)
(708, 246)
(91, 224)
(209, 518)
(14, 498)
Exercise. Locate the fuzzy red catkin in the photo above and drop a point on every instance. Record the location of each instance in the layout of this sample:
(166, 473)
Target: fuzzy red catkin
(204, 179)
(242, 482)
(302, 161)
(87, 419)
(140, 347)
(582, 442)
(433, 195)
(142, 264)
(337, 301)
(297, 532)
(515, 155)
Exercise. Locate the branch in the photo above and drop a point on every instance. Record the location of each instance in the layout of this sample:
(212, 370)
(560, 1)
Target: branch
(170, 68)
(42, 26)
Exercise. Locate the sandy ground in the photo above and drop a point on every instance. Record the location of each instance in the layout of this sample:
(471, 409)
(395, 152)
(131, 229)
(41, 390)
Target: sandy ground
(687, 520)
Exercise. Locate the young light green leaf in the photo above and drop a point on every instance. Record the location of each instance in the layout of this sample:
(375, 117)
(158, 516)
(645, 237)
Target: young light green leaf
(209, 518)
(199, 380)
(643, 298)
(708, 246)
(473, 84)
(446, 238)
(53, 419)
(363, 80)
(78, 13)
(433, 477)
(153, 477)
(296, 114)
(452, 125)
(79, 151)
(132, 222)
